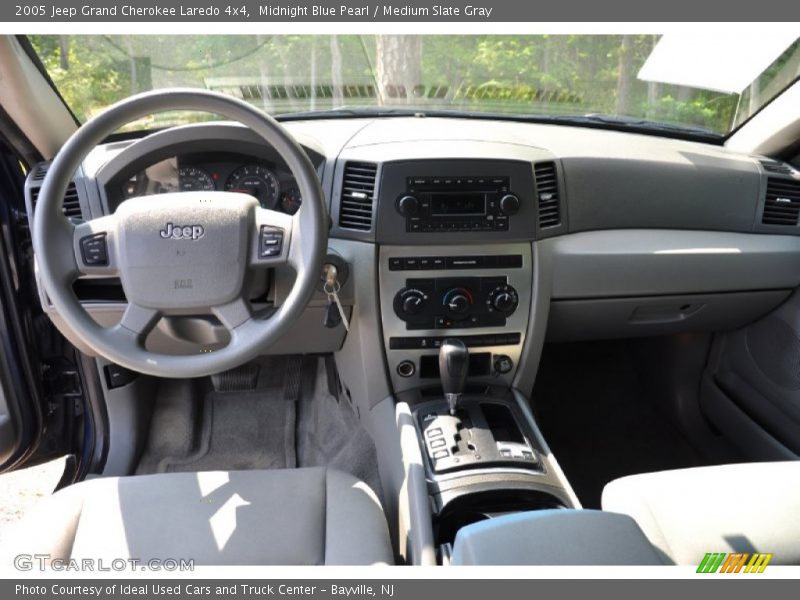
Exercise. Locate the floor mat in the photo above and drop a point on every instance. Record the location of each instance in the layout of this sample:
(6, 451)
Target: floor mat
(242, 430)
(275, 413)
(198, 428)
(598, 421)
(330, 434)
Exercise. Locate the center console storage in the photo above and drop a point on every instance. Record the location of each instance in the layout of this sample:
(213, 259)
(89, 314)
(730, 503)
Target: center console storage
(485, 461)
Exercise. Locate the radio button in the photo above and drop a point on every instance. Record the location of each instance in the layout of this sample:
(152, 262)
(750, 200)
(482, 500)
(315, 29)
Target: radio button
(412, 264)
(465, 262)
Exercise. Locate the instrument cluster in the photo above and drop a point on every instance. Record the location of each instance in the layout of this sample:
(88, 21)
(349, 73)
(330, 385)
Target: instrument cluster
(272, 185)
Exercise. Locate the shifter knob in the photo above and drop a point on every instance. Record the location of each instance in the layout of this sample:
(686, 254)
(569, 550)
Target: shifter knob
(453, 365)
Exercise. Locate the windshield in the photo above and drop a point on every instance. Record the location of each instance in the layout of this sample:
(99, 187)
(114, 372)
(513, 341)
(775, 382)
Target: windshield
(622, 79)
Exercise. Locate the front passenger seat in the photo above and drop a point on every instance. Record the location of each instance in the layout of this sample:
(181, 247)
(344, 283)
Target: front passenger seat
(687, 513)
(310, 516)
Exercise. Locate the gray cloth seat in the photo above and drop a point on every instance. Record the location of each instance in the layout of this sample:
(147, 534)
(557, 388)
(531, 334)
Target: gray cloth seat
(311, 516)
(687, 513)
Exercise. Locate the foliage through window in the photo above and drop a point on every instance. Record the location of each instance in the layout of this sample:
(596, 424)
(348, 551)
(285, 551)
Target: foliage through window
(568, 75)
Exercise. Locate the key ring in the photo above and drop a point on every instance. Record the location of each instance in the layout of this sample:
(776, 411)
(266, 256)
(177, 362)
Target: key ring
(336, 287)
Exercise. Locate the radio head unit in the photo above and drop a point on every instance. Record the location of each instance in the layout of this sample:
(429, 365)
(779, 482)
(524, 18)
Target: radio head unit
(468, 203)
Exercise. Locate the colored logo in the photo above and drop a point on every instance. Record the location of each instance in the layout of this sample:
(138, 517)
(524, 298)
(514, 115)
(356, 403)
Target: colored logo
(737, 562)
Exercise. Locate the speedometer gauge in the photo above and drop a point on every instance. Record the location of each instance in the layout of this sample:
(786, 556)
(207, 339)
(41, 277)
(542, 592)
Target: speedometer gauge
(256, 180)
(192, 179)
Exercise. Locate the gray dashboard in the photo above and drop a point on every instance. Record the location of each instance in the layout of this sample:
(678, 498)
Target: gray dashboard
(638, 218)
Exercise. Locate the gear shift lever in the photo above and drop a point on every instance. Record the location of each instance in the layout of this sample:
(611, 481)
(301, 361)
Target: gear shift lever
(453, 365)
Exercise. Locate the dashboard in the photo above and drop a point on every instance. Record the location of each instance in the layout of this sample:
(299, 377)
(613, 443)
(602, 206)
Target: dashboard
(504, 234)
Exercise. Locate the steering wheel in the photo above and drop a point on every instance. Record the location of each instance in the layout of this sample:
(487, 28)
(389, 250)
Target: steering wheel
(180, 253)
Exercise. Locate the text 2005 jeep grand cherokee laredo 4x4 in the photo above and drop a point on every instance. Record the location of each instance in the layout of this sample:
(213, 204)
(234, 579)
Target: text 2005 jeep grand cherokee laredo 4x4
(461, 300)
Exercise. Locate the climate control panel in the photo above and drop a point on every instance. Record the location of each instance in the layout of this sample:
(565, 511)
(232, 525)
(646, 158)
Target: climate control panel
(478, 293)
(455, 302)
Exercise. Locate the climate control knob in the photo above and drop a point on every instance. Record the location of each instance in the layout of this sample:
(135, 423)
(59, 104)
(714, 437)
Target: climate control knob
(410, 302)
(503, 299)
(458, 304)
(504, 302)
(408, 206)
(413, 303)
(509, 204)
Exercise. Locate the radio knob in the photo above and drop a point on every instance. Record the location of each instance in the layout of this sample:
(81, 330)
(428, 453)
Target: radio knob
(458, 304)
(413, 303)
(509, 204)
(408, 206)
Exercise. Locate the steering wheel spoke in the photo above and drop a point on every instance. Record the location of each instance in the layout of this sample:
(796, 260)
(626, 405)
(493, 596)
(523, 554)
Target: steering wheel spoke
(272, 243)
(139, 321)
(234, 313)
(94, 247)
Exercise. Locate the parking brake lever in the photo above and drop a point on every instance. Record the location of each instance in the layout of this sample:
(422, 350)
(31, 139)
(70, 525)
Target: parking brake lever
(453, 365)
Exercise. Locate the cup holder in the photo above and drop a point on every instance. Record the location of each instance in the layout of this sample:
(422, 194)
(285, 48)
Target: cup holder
(479, 506)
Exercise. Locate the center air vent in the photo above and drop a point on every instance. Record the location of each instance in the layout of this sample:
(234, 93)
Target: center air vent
(549, 206)
(72, 204)
(782, 202)
(358, 193)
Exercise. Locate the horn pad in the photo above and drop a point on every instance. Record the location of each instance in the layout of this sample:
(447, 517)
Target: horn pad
(184, 250)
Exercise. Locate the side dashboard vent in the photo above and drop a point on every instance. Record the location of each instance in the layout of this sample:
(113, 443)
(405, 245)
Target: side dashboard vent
(72, 203)
(547, 196)
(358, 193)
(782, 202)
(39, 171)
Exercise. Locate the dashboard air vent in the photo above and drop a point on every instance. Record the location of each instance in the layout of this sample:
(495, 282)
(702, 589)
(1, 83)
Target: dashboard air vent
(782, 202)
(546, 178)
(39, 171)
(358, 192)
(774, 166)
(72, 204)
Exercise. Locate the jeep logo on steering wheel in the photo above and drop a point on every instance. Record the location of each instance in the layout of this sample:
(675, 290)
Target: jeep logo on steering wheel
(182, 232)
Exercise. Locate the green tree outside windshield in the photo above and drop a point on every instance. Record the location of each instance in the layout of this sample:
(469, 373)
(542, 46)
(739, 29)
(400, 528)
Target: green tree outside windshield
(542, 74)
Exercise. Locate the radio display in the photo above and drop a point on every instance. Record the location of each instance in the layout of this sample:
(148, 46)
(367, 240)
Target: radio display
(456, 204)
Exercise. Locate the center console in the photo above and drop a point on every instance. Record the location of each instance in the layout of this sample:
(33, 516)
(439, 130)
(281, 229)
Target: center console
(456, 277)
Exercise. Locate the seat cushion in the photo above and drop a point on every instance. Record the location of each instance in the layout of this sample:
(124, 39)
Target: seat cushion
(687, 513)
(309, 516)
